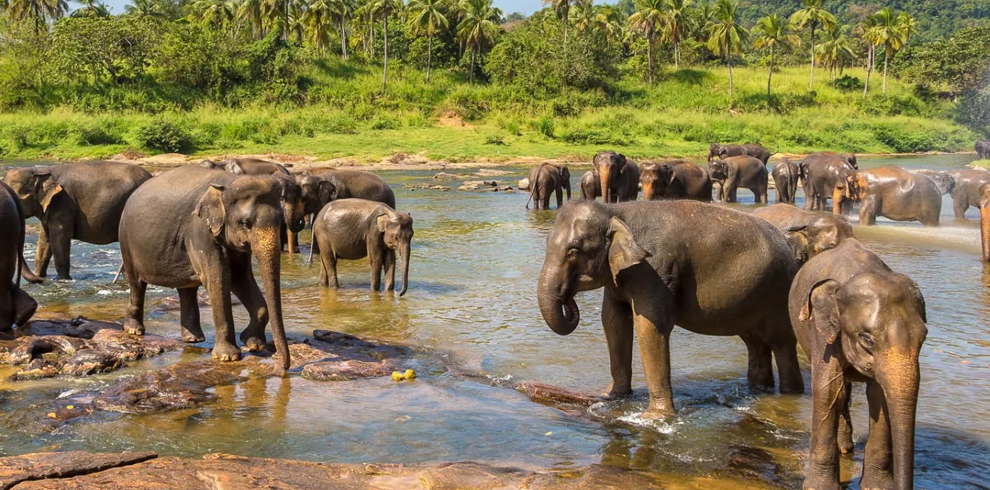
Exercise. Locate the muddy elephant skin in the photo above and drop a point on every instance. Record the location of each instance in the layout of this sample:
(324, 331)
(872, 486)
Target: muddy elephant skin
(756, 150)
(982, 149)
(966, 190)
(896, 194)
(16, 306)
(985, 220)
(742, 171)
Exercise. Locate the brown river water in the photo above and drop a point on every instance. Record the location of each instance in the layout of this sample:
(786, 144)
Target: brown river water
(471, 304)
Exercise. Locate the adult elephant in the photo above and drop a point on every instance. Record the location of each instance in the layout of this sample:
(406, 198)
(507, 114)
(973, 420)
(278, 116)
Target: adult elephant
(985, 220)
(820, 173)
(358, 184)
(982, 149)
(809, 233)
(859, 321)
(676, 180)
(717, 150)
(785, 180)
(546, 179)
(80, 201)
(742, 171)
(896, 194)
(207, 226)
(665, 263)
(247, 166)
(943, 179)
(16, 306)
(617, 176)
(966, 190)
(591, 186)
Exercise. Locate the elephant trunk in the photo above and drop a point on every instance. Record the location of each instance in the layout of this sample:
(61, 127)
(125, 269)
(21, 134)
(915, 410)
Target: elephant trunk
(901, 393)
(985, 231)
(605, 175)
(404, 256)
(647, 191)
(557, 306)
(838, 199)
(266, 247)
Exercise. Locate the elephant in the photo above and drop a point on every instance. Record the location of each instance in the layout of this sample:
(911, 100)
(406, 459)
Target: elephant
(547, 179)
(741, 171)
(944, 180)
(81, 201)
(247, 166)
(676, 180)
(985, 221)
(966, 190)
(808, 232)
(982, 149)
(859, 321)
(820, 173)
(618, 177)
(353, 229)
(894, 193)
(190, 227)
(591, 186)
(663, 263)
(752, 149)
(16, 305)
(317, 191)
(785, 180)
(359, 184)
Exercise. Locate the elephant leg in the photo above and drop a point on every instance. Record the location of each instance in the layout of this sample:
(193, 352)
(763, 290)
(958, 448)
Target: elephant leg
(878, 462)
(211, 267)
(868, 211)
(784, 346)
(60, 240)
(731, 194)
(377, 262)
(760, 372)
(846, 444)
(245, 287)
(293, 242)
(192, 330)
(617, 321)
(827, 397)
(560, 196)
(389, 270)
(328, 269)
(959, 207)
(547, 193)
(654, 348)
(134, 320)
(43, 254)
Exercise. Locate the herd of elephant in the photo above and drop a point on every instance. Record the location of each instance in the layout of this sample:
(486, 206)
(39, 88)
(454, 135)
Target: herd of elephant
(200, 225)
(777, 277)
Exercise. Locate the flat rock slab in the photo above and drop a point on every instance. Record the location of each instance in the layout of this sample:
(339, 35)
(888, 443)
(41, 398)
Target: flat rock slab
(555, 395)
(182, 385)
(226, 472)
(38, 466)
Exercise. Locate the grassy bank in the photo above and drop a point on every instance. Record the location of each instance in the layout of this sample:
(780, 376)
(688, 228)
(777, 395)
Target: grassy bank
(346, 116)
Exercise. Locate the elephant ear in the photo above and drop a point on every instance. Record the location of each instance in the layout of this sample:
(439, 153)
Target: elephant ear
(211, 209)
(234, 167)
(623, 251)
(382, 222)
(822, 307)
(328, 191)
(797, 237)
(46, 188)
(673, 175)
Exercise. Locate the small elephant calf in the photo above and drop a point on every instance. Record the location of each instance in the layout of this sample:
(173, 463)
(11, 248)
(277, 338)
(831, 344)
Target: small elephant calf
(355, 228)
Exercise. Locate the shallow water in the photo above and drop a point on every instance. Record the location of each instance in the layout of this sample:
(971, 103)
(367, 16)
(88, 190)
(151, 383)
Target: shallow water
(471, 303)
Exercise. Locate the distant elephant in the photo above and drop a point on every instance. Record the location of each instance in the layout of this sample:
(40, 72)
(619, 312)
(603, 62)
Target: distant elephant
(80, 201)
(676, 180)
(664, 263)
(16, 306)
(742, 171)
(966, 189)
(785, 180)
(754, 150)
(353, 229)
(944, 180)
(618, 177)
(547, 179)
(247, 166)
(591, 186)
(985, 220)
(190, 227)
(895, 193)
(820, 173)
(809, 233)
(982, 149)
(859, 321)
(359, 184)
(317, 191)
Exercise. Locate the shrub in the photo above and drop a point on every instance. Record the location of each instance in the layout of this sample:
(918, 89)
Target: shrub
(901, 140)
(848, 83)
(386, 122)
(494, 139)
(163, 135)
(545, 126)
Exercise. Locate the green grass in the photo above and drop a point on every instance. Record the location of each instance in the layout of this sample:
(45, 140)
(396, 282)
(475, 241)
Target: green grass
(985, 163)
(346, 116)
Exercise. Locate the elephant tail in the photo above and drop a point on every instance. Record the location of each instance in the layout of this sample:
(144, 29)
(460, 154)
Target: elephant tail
(532, 191)
(312, 245)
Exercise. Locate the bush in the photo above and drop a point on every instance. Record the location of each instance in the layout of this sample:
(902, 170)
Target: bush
(494, 139)
(848, 83)
(386, 122)
(163, 135)
(545, 126)
(901, 140)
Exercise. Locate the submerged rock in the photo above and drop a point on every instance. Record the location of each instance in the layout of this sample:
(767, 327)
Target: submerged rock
(483, 186)
(555, 395)
(182, 385)
(38, 466)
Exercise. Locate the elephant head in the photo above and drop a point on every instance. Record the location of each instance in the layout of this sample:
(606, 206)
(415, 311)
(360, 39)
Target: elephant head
(246, 216)
(565, 180)
(397, 230)
(985, 220)
(943, 180)
(718, 170)
(16, 308)
(609, 165)
(825, 233)
(714, 150)
(317, 191)
(655, 178)
(586, 248)
(876, 321)
(291, 199)
(849, 188)
(35, 187)
(850, 158)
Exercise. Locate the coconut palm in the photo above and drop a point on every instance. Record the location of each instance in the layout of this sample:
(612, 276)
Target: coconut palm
(726, 36)
(251, 12)
(38, 11)
(318, 21)
(563, 11)
(425, 17)
(480, 23)
(385, 9)
(813, 16)
(276, 15)
(342, 11)
(598, 20)
(214, 12)
(836, 51)
(677, 25)
(772, 32)
(144, 9)
(648, 18)
(893, 33)
(91, 8)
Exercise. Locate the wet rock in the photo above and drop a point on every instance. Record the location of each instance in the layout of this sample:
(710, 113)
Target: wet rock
(555, 395)
(753, 463)
(183, 385)
(491, 172)
(594, 477)
(347, 370)
(483, 186)
(38, 466)
(445, 176)
(441, 188)
(523, 184)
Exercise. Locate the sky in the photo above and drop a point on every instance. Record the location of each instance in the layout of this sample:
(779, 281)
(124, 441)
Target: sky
(508, 6)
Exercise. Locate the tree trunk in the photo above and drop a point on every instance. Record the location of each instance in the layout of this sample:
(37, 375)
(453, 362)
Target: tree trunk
(770, 75)
(811, 85)
(886, 56)
(649, 54)
(730, 75)
(677, 52)
(371, 47)
(869, 66)
(472, 66)
(385, 39)
(343, 38)
(429, 61)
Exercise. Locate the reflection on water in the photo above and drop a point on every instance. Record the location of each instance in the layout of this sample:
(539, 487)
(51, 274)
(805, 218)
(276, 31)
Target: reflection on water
(471, 303)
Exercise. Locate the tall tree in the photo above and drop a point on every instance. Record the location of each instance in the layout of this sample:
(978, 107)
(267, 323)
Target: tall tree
(38, 11)
(318, 20)
(91, 8)
(893, 33)
(342, 11)
(385, 8)
(726, 36)
(813, 16)
(836, 51)
(772, 32)
(480, 22)
(144, 9)
(563, 10)
(251, 12)
(425, 17)
(214, 12)
(648, 18)
(676, 25)
(869, 35)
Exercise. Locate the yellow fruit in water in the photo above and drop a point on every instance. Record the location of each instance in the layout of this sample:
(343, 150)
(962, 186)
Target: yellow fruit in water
(410, 374)
(397, 376)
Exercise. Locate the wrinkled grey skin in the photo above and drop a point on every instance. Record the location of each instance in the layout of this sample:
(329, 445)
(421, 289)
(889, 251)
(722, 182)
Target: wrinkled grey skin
(247, 166)
(618, 176)
(982, 149)
(317, 191)
(966, 190)
(741, 171)
(547, 179)
(894, 193)
(785, 180)
(676, 180)
(359, 184)
(858, 321)
(80, 201)
(821, 173)
(663, 263)
(16, 306)
(591, 186)
(809, 233)
(207, 224)
(755, 150)
(944, 180)
(353, 229)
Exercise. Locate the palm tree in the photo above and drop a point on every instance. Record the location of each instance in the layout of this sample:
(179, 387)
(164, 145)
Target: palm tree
(725, 35)
(276, 15)
(250, 11)
(144, 9)
(772, 33)
(813, 15)
(835, 52)
(869, 35)
(563, 10)
(480, 23)
(91, 8)
(598, 20)
(648, 17)
(677, 25)
(39, 11)
(893, 33)
(426, 18)
(214, 12)
(342, 10)
(318, 22)
(385, 8)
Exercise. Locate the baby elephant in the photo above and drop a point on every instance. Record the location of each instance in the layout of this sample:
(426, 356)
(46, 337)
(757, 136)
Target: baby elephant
(355, 228)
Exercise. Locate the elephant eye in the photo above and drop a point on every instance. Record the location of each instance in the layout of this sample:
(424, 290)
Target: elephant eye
(867, 341)
(245, 222)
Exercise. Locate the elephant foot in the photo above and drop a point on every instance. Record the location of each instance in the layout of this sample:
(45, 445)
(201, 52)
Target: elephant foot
(253, 341)
(845, 441)
(821, 483)
(876, 480)
(226, 352)
(193, 336)
(133, 327)
(614, 391)
(659, 413)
